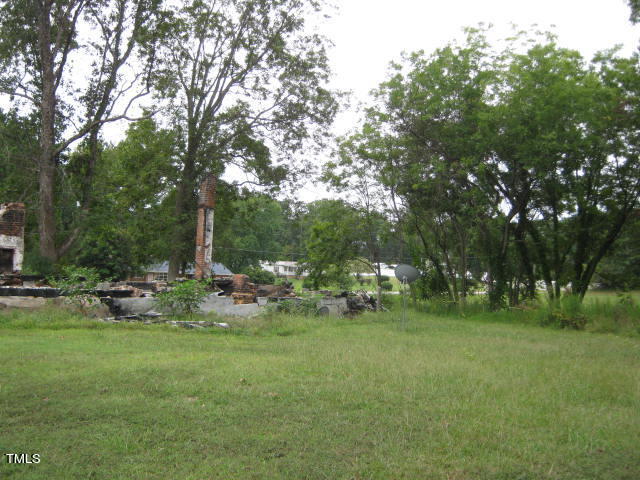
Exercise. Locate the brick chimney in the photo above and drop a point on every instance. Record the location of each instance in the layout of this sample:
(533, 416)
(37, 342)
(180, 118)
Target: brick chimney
(204, 230)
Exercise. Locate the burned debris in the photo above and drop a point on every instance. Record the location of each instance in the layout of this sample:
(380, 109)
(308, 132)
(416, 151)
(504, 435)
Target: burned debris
(230, 294)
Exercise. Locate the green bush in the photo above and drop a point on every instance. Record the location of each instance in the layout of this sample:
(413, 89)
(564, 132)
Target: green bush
(184, 298)
(78, 285)
(259, 275)
(386, 286)
(565, 313)
(36, 264)
(109, 252)
(384, 278)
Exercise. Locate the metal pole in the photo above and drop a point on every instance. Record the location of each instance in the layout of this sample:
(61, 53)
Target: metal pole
(404, 302)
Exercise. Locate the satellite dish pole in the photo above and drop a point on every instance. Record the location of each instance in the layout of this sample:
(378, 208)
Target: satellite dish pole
(406, 274)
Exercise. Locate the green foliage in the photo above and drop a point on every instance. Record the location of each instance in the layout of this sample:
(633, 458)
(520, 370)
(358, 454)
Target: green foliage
(332, 244)
(77, 284)
(36, 264)
(259, 276)
(18, 149)
(250, 228)
(620, 268)
(503, 163)
(387, 286)
(109, 252)
(259, 86)
(430, 285)
(183, 298)
(564, 313)
(634, 17)
(133, 197)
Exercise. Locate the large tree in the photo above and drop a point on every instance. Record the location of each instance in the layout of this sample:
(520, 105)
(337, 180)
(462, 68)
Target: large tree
(528, 160)
(45, 49)
(244, 81)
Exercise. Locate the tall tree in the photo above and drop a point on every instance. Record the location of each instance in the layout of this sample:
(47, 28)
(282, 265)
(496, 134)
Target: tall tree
(635, 10)
(245, 81)
(531, 159)
(352, 175)
(40, 41)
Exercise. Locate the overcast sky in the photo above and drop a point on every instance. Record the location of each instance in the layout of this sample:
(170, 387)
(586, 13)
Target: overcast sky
(368, 34)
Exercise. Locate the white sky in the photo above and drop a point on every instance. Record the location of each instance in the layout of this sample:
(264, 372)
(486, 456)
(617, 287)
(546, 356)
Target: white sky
(369, 34)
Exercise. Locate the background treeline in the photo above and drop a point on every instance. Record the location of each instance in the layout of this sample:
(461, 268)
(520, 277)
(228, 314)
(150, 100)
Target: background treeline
(515, 168)
(504, 169)
(233, 83)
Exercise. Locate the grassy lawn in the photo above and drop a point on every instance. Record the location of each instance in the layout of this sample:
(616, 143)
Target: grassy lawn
(327, 399)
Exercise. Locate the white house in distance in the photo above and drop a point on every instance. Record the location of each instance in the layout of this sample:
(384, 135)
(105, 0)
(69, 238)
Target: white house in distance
(388, 270)
(283, 268)
(288, 269)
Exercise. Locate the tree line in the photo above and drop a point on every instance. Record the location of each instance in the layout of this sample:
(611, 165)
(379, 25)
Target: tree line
(237, 82)
(514, 168)
(509, 167)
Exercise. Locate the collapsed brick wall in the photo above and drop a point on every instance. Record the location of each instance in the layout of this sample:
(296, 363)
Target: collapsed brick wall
(243, 290)
(12, 218)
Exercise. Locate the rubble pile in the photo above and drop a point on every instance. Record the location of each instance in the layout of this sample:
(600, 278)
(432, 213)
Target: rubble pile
(135, 301)
(359, 301)
(276, 291)
(243, 290)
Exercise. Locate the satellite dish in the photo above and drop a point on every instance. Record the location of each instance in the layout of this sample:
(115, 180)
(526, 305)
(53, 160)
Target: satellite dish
(406, 273)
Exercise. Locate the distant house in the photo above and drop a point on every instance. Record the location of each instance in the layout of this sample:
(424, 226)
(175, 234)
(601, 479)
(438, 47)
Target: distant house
(158, 272)
(388, 270)
(283, 268)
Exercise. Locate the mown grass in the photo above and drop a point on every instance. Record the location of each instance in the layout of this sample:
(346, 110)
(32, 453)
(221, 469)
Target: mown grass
(294, 397)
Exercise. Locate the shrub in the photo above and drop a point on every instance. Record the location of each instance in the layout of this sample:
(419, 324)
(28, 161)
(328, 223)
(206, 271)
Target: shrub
(386, 286)
(384, 278)
(183, 298)
(36, 264)
(565, 313)
(259, 275)
(78, 285)
(109, 252)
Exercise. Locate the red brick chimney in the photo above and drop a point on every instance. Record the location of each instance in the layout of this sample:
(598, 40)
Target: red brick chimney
(204, 230)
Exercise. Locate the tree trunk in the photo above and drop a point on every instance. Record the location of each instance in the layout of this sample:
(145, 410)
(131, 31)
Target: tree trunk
(178, 234)
(520, 242)
(581, 282)
(183, 234)
(47, 162)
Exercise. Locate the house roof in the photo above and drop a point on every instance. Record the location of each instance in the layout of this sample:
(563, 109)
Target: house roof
(163, 267)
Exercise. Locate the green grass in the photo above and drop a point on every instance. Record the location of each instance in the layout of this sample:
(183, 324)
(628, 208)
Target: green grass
(287, 397)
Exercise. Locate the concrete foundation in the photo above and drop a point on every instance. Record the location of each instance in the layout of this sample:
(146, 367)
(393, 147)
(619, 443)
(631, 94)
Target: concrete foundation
(333, 306)
(221, 305)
